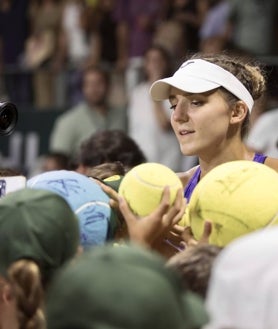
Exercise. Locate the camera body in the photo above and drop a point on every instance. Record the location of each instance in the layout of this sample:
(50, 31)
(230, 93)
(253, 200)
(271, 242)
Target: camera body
(8, 118)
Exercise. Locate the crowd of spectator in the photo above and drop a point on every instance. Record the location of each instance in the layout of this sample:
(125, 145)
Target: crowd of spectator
(48, 46)
(45, 44)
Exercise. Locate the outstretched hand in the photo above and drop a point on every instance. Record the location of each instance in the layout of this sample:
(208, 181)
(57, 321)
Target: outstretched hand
(161, 223)
(147, 230)
(189, 239)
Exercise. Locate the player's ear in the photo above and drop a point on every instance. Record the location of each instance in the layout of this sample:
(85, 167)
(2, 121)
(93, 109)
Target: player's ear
(239, 112)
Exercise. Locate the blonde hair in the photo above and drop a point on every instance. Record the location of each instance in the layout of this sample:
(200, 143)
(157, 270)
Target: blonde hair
(106, 170)
(25, 280)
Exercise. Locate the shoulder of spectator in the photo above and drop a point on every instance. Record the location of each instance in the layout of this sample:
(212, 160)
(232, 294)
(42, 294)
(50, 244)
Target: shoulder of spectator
(72, 113)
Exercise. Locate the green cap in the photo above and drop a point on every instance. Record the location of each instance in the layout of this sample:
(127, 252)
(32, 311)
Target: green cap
(121, 287)
(37, 225)
(113, 181)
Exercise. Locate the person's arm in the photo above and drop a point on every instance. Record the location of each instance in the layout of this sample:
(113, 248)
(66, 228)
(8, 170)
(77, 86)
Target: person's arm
(60, 55)
(151, 229)
(154, 227)
(160, 230)
(122, 36)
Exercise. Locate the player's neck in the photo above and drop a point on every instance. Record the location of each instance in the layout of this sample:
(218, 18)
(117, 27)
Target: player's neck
(230, 153)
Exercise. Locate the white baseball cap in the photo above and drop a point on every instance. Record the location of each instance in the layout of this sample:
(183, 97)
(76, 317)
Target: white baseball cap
(199, 76)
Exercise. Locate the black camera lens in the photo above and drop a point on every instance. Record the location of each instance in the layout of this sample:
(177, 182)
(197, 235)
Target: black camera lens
(8, 118)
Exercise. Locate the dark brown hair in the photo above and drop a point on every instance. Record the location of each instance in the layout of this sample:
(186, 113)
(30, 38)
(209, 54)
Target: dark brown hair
(194, 265)
(110, 146)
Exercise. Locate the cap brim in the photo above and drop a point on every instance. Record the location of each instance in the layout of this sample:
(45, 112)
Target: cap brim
(160, 90)
(113, 182)
(195, 313)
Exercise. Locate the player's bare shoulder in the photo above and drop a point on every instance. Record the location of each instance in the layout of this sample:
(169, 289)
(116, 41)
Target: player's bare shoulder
(272, 163)
(186, 176)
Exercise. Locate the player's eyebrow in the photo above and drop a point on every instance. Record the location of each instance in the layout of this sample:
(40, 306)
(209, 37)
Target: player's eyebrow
(186, 94)
(172, 97)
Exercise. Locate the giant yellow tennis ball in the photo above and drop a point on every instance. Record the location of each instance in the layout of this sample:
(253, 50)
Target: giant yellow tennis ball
(143, 185)
(237, 197)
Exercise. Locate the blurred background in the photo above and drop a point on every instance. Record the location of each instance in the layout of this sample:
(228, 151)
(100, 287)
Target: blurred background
(45, 45)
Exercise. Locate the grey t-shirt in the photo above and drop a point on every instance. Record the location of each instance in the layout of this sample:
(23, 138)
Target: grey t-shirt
(79, 123)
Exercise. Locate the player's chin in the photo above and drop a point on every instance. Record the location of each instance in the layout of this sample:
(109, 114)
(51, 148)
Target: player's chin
(187, 150)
